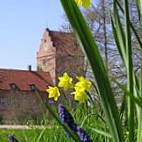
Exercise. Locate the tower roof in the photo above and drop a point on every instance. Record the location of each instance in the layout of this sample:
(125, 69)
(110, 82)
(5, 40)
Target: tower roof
(65, 43)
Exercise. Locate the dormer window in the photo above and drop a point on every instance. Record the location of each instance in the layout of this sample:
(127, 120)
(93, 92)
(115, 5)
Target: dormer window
(2, 102)
(13, 86)
(32, 87)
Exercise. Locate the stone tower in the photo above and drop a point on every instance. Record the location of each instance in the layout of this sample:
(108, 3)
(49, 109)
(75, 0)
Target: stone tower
(59, 53)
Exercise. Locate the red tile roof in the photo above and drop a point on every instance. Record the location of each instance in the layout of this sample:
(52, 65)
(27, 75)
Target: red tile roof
(23, 79)
(65, 43)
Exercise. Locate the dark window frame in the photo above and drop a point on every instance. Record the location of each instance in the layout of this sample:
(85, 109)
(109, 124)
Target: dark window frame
(32, 87)
(13, 86)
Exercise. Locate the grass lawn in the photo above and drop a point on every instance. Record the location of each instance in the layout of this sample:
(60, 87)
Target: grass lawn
(35, 135)
(42, 135)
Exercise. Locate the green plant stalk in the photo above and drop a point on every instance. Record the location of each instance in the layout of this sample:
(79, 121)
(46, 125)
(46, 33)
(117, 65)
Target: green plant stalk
(119, 37)
(139, 7)
(129, 66)
(117, 41)
(90, 98)
(135, 80)
(68, 130)
(101, 132)
(126, 56)
(137, 93)
(91, 50)
(137, 88)
(137, 100)
(132, 27)
(139, 110)
(89, 115)
(119, 33)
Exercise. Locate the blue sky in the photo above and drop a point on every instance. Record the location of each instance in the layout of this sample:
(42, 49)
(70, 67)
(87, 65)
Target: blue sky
(22, 23)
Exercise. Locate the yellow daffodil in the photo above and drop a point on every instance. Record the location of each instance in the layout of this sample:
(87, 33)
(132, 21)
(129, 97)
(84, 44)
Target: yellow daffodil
(79, 95)
(83, 84)
(85, 3)
(65, 81)
(53, 92)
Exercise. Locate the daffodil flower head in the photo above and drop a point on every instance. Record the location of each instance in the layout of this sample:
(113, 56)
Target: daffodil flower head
(85, 3)
(53, 92)
(79, 95)
(83, 84)
(65, 81)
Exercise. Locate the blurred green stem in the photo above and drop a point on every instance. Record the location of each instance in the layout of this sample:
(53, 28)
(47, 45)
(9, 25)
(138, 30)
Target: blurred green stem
(129, 67)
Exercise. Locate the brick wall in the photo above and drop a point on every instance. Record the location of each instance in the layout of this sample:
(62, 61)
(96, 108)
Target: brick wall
(64, 56)
(17, 106)
(46, 56)
(71, 64)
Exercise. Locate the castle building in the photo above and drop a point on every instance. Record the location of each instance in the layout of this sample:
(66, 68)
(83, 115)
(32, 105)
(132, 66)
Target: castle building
(18, 94)
(59, 52)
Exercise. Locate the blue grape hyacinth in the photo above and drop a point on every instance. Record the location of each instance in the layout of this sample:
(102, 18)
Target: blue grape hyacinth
(83, 135)
(11, 138)
(68, 120)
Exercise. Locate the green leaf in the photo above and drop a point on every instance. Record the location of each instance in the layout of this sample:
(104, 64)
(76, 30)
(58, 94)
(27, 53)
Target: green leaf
(129, 67)
(119, 32)
(117, 41)
(41, 134)
(132, 27)
(67, 129)
(91, 114)
(137, 100)
(139, 7)
(90, 48)
(101, 132)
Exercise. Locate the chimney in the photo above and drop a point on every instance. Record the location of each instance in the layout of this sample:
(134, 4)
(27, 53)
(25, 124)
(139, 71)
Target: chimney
(29, 68)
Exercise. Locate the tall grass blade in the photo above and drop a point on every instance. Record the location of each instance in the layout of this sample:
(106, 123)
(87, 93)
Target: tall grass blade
(119, 37)
(101, 78)
(129, 67)
(139, 109)
(40, 136)
(137, 87)
(117, 42)
(101, 132)
(67, 129)
(137, 100)
(119, 33)
(139, 7)
(132, 27)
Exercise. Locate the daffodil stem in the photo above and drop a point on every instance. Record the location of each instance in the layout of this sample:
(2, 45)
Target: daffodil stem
(90, 98)
(66, 100)
(87, 108)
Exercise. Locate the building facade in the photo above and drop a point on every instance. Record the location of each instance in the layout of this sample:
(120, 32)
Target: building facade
(19, 90)
(59, 52)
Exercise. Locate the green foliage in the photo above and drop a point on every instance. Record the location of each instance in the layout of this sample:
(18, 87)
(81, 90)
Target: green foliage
(112, 123)
(54, 132)
(35, 135)
(90, 48)
(133, 91)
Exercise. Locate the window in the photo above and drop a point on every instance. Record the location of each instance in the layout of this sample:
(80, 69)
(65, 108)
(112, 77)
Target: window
(2, 102)
(32, 87)
(13, 86)
(45, 40)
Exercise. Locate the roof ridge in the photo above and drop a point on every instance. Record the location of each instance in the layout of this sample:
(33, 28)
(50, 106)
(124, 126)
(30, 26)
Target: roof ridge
(59, 32)
(20, 70)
